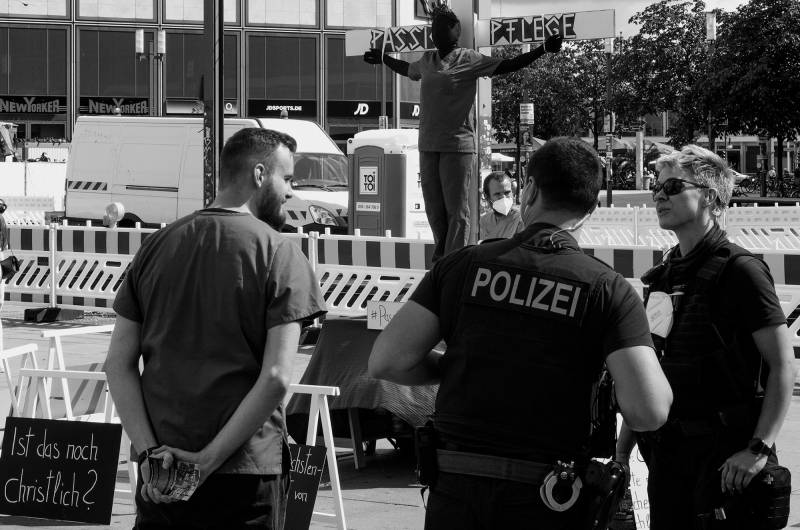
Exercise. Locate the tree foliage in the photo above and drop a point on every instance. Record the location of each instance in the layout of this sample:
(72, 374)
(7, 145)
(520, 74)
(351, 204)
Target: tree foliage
(748, 81)
(559, 85)
(755, 79)
(662, 68)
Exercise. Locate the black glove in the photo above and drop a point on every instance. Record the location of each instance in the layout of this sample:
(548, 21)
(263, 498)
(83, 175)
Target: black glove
(553, 43)
(374, 56)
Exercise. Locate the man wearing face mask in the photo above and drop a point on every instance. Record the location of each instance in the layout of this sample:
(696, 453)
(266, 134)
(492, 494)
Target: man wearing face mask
(528, 322)
(504, 220)
(446, 130)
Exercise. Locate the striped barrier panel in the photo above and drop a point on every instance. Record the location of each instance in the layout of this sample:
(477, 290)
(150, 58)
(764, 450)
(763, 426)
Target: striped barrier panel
(374, 251)
(94, 240)
(609, 226)
(31, 284)
(347, 289)
(765, 228)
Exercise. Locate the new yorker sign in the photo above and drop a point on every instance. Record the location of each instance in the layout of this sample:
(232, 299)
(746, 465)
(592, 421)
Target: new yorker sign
(33, 104)
(127, 106)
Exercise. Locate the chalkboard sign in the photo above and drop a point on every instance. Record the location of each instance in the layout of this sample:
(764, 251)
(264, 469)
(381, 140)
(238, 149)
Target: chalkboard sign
(307, 465)
(57, 469)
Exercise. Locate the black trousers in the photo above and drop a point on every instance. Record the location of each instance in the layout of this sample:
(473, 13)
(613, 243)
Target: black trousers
(221, 502)
(464, 502)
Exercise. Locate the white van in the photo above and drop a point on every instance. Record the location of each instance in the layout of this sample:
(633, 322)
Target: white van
(154, 167)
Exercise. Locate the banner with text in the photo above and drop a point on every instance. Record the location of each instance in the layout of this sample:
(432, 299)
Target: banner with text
(57, 469)
(580, 25)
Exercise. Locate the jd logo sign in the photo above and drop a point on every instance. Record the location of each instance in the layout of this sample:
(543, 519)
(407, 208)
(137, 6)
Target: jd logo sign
(415, 112)
(361, 110)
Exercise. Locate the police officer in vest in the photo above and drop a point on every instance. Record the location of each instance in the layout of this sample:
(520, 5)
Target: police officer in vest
(529, 323)
(725, 348)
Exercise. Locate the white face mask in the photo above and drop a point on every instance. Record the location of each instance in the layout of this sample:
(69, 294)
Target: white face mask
(503, 206)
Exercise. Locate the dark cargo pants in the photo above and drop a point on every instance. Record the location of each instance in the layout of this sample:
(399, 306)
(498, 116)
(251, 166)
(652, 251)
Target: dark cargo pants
(445, 180)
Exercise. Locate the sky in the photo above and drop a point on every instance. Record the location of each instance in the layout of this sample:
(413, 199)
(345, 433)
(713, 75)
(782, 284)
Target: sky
(624, 8)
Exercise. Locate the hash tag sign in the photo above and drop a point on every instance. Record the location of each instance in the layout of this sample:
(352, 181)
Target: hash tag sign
(307, 464)
(57, 469)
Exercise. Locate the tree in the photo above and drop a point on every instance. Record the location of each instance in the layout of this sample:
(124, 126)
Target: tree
(556, 84)
(756, 74)
(664, 67)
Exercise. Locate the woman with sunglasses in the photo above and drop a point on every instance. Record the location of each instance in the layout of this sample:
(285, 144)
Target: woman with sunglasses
(725, 348)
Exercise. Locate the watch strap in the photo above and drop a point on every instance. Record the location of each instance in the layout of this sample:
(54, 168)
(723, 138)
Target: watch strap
(145, 454)
(757, 446)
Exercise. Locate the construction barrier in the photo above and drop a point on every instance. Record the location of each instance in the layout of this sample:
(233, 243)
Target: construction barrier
(83, 267)
(754, 228)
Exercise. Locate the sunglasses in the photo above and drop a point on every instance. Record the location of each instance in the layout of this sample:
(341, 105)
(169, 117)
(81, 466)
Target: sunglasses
(674, 186)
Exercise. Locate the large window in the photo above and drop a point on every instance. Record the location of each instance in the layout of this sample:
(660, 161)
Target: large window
(282, 67)
(118, 9)
(41, 8)
(192, 11)
(358, 13)
(186, 62)
(350, 78)
(33, 61)
(282, 12)
(108, 64)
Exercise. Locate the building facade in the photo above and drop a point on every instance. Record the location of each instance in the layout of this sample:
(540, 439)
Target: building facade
(60, 59)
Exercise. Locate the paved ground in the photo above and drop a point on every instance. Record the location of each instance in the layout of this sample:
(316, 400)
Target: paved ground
(380, 496)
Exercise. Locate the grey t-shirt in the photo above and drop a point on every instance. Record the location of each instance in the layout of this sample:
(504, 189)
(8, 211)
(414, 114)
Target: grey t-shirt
(447, 96)
(206, 290)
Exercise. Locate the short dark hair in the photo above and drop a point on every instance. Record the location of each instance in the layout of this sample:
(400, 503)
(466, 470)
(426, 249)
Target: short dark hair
(499, 176)
(248, 147)
(568, 173)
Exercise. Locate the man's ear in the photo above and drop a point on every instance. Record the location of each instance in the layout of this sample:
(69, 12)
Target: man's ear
(259, 175)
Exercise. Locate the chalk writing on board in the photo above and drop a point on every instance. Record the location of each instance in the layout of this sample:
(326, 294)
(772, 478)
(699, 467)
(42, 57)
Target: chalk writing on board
(59, 469)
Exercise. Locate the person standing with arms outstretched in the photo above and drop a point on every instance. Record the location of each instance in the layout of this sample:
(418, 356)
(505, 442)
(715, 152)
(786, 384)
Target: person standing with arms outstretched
(449, 77)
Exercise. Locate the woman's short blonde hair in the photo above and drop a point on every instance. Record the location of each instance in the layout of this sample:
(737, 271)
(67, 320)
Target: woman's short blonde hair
(704, 167)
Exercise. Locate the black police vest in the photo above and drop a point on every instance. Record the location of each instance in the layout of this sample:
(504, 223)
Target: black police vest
(705, 363)
(518, 373)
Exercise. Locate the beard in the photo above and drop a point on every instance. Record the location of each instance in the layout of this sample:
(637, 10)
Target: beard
(269, 207)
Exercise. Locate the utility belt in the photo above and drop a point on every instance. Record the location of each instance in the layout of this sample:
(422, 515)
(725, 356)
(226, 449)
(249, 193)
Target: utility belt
(594, 487)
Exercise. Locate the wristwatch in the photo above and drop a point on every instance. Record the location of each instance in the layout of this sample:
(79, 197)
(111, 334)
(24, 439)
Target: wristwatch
(145, 454)
(758, 447)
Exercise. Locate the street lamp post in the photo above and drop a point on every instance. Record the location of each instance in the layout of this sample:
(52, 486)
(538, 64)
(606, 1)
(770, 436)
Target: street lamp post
(155, 55)
(609, 50)
(525, 119)
(711, 37)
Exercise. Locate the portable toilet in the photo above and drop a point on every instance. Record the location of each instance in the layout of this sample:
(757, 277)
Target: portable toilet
(385, 190)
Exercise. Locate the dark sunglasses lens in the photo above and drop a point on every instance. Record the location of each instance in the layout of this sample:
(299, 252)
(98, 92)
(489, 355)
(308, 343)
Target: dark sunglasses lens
(674, 186)
(670, 187)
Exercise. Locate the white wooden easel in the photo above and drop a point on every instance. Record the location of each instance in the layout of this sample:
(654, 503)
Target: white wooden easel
(320, 410)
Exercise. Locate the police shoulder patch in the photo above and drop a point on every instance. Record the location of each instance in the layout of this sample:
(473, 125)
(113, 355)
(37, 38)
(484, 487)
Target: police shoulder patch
(504, 287)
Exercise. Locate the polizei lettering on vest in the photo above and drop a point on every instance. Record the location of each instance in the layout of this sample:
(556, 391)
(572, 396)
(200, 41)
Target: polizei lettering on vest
(520, 290)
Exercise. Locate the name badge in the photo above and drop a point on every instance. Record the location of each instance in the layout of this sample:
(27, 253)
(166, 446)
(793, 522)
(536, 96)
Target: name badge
(659, 313)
